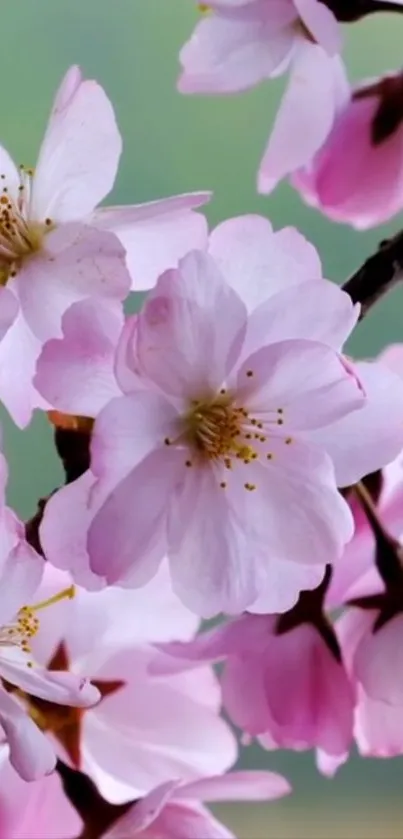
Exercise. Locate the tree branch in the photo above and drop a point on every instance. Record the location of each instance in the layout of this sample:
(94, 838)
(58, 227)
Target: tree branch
(97, 814)
(379, 274)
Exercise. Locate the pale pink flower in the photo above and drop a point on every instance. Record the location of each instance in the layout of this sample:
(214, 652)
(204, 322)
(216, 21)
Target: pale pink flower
(373, 659)
(357, 175)
(287, 688)
(20, 574)
(56, 248)
(239, 43)
(175, 809)
(35, 810)
(162, 368)
(146, 728)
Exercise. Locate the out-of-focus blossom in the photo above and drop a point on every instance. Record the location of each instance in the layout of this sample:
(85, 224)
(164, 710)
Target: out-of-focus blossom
(20, 574)
(287, 688)
(55, 248)
(146, 729)
(373, 660)
(240, 43)
(357, 175)
(175, 809)
(199, 432)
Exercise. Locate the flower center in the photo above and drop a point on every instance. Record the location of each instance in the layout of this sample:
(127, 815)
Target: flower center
(20, 237)
(217, 429)
(26, 625)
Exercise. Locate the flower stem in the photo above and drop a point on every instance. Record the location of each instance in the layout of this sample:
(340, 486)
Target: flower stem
(378, 275)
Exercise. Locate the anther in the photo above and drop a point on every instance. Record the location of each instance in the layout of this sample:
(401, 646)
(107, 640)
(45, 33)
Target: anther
(223, 484)
(188, 463)
(249, 373)
(269, 456)
(167, 441)
(288, 441)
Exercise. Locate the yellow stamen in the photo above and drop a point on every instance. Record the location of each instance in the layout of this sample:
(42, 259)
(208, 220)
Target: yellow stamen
(62, 595)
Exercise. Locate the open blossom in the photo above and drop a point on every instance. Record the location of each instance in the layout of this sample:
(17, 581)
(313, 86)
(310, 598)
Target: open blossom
(239, 43)
(146, 728)
(20, 574)
(357, 174)
(176, 809)
(287, 687)
(221, 452)
(55, 248)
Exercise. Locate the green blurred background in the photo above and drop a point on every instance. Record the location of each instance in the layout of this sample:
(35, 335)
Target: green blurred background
(173, 144)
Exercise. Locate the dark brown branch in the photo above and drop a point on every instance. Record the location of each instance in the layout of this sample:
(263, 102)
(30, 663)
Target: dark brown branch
(379, 274)
(349, 11)
(96, 814)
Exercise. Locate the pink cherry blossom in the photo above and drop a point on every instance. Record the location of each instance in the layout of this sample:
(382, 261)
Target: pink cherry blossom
(35, 809)
(372, 658)
(239, 44)
(287, 688)
(161, 367)
(56, 248)
(357, 174)
(199, 439)
(20, 574)
(175, 809)
(147, 728)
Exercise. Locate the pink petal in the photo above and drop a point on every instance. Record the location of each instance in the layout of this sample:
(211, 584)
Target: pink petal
(257, 262)
(311, 699)
(31, 753)
(283, 582)
(127, 537)
(309, 382)
(237, 786)
(8, 310)
(127, 430)
(10, 176)
(21, 569)
(367, 439)
(64, 527)
(173, 821)
(75, 373)
(378, 663)
(157, 234)
(19, 351)
(144, 812)
(321, 23)
(212, 549)
(79, 262)
(80, 152)
(62, 688)
(337, 179)
(46, 812)
(231, 52)
(181, 318)
(305, 117)
(298, 513)
(127, 365)
(317, 311)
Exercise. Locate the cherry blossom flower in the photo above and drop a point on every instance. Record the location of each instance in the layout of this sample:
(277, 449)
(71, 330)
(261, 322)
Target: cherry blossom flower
(240, 43)
(20, 574)
(287, 687)
(175, 809)
(372, 658)
(356, 176)
(152, 434)
(146, 729)
(56, 249)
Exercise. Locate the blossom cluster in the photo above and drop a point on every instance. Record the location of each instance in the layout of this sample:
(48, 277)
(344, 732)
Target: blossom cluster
(340, 145)
(230, 459)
